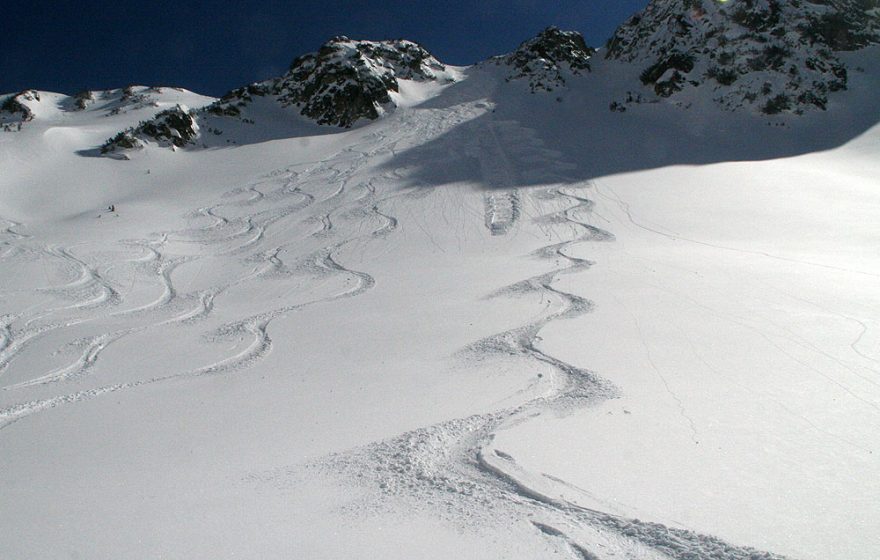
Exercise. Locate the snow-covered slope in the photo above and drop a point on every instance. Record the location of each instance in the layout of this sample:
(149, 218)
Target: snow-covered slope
(497, 322)
(142, 101)
(344, 83)
(765, 56)
(547, 59)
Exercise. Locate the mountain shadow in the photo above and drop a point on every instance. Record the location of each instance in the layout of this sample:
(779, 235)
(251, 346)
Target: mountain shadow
(571, 135)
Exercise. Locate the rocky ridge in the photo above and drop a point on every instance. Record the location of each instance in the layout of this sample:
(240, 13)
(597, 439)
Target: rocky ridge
(344, 82)
(175, 127)
(765, 56)
(15, 110)
(771, 55)
(348, 81)
(548, 58)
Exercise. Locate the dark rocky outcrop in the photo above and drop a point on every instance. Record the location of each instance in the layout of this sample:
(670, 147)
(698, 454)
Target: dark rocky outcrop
(548, 58)
(82, 100)
(173, 127)
(342, 83)
(16, 106)
(350, 80)
(771, 55)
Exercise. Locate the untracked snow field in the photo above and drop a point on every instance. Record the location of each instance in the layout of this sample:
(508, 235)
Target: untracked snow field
(489, 325)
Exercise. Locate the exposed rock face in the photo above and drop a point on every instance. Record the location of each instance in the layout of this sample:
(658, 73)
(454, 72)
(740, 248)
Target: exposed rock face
(174, 127)
(772, 55)
(848, 25)
(548, 58)
(349, 80)
(82, 100)
(15, 110)
(231, 104)
(343, 82)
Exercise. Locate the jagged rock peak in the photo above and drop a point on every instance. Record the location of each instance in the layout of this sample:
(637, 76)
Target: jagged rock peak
(548, 57)
(773, 55)
(403, 59)
(343, 82)
(349, 80)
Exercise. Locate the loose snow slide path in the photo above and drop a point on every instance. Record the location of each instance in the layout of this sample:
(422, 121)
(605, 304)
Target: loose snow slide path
(428, 337)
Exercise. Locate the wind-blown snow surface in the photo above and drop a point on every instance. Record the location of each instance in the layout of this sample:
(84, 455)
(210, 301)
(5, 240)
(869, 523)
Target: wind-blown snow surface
(489, 325)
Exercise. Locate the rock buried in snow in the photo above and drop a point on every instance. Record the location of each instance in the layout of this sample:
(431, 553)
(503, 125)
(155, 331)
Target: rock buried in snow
(82, 100)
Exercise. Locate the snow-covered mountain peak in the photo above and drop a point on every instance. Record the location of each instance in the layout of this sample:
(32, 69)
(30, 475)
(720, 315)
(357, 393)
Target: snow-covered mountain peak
(348, 80)
(344, 82)
(758, 55)
(768, 55)
(546, 59)
(400, 59)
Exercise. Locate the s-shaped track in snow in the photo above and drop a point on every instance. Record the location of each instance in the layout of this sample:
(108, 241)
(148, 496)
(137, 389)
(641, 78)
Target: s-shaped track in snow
(279, 212)
(453, 469)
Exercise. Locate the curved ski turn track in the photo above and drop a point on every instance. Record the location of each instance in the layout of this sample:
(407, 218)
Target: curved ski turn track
(360, 239)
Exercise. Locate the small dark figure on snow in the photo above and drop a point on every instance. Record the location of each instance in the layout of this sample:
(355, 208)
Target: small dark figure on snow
(112, 208)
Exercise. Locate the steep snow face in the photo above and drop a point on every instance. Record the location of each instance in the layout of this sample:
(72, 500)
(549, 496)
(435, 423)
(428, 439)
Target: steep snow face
(548, 58)
(765, 55)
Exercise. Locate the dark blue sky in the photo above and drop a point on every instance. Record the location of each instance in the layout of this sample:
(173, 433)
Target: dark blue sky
(211, 47)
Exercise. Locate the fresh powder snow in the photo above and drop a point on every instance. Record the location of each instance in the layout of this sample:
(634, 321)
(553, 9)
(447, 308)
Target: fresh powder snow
(400, 309)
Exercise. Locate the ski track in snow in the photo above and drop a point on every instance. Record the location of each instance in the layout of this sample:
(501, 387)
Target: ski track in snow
(450, 467)
(502, 204)
(290, 191)
(453, 468)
